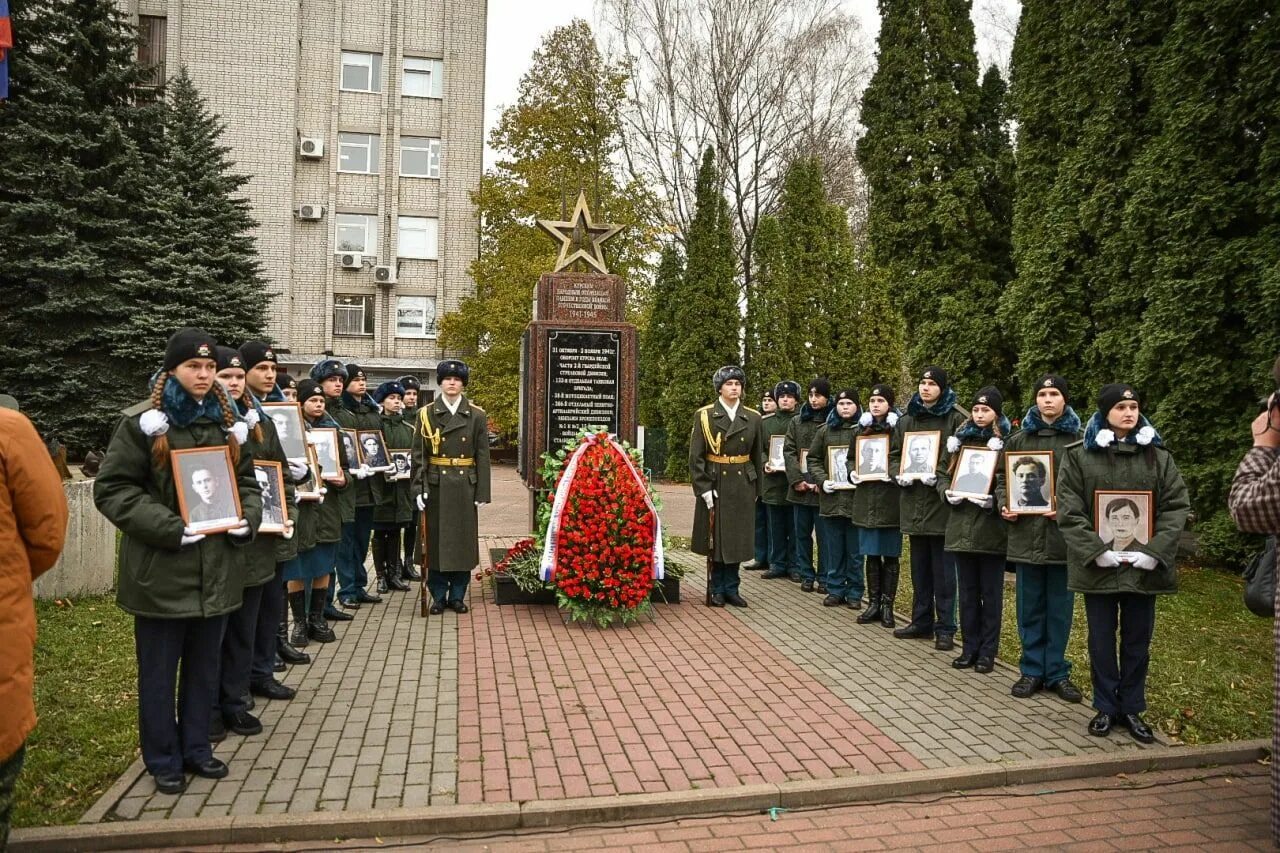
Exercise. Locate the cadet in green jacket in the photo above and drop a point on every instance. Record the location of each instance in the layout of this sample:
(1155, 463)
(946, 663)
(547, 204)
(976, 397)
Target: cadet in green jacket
(412, 395)
(845, 581)
(782, 521)
(396, 507)
(875, 511)
(1122, 548)
(1036, 549)
(178, 583)
(932, 417)
(450, 483)
(726, 468)
(975, 532)
(331, 375)
(357, 410)
(760, 562)
(804, 486)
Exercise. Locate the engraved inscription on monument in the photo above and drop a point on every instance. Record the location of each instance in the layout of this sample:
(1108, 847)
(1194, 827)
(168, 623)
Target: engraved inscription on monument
(582, 300)
(582, 383)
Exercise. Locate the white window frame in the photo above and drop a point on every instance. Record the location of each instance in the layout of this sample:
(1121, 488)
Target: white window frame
(361, 317)
(365, 221)
(350, 144)
(428, 227)
(416, 68)
(421, 144)
(372, 62)
(427, 330)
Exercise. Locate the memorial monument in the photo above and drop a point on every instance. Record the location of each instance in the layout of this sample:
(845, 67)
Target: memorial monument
(577, 355)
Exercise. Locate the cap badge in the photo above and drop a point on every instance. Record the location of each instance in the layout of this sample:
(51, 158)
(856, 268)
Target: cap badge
(1048, 383)
(982, 399)
(1128, 395)
(269, 354)
(204, 351)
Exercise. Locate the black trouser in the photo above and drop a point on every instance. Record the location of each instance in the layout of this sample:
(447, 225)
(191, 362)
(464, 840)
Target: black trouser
(270, 612)
(933, 579)
(237, 652)
(1120, 689)
(162, 646)
(981, 581)
(410, 537)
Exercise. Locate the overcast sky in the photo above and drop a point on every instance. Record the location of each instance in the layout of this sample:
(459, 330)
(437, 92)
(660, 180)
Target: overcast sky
(516, 28)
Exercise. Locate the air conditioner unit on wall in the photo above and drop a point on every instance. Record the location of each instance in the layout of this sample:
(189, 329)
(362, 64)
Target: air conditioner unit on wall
(310, 212)
(384, 274)
(351, 260)
(311, 147)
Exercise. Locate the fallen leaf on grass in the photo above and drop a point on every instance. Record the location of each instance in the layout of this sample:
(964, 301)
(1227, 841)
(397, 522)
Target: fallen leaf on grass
(1188, 712)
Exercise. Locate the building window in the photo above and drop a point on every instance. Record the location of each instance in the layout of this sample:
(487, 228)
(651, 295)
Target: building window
(352, 314)
(423, 78)
(416, 317)
(361, 72)
(356, 232)
(358, 152)
(152, 31)
(419, 238)
(419, 157)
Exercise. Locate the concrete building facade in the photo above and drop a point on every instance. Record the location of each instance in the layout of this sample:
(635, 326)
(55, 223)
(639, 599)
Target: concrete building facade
(361, 126)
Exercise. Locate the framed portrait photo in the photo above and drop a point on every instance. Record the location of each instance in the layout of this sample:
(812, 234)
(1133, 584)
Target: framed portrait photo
(803, 455)
(871, 457)
(838, 467)
(287, 418)
(373, 450)
(776, 460)
(402, 465)
(208, 499)
(919, 454)
(350, 446)
(1123, 519)
(270, 476)
(975, 470)
(1029, 477)
(311, 490)
(325, 444)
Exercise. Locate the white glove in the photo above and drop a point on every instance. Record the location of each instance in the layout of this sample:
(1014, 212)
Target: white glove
(709, 498)
(288, 531)
(299, 470)
(929, 479)
(297, 498)
(981, 503)
(903, 481)
(361, 473)
(189, 537)
(421, 500)
(953, 498)
(1146, 562)
(1107, 560)
(828, 486)
(241, 530)
(323, 491)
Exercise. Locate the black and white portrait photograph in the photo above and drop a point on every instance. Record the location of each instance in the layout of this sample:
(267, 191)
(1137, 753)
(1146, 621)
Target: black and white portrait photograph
(287, 418)
(919, 454)
(310, 490)
(1029, 481)
(401, 461)
(975, 469)
(349, 445)
(270, 476)
(838, 467)
(1122, 519)
(373, 449)
(207, 494)
(872, 457)
(776, 461)
(325, 442)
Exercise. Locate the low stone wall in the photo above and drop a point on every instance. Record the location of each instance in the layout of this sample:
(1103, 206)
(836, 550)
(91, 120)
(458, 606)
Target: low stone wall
(88, 562)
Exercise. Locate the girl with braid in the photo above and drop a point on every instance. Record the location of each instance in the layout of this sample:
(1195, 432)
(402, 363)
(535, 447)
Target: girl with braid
(178, 584)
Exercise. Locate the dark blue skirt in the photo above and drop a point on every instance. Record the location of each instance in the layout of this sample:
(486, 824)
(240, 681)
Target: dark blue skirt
(880, 541)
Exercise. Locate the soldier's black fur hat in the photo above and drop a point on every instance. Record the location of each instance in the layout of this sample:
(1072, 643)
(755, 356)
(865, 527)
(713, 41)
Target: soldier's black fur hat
(724, 374)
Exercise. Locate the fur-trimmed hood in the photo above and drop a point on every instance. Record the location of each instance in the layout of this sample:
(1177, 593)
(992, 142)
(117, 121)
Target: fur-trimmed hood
(1068, 424)
(1098, 436)
(808, 413)
(869, 423)
(834, 420)
(351, 404)
(275, 395)
(945, 404)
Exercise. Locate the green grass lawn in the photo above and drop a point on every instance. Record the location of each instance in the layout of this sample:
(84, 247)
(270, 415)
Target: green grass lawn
(86, 698)
(1211, 659)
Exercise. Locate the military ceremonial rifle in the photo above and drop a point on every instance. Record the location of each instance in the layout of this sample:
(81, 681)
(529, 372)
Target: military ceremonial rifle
(711, 546)
(423, 598)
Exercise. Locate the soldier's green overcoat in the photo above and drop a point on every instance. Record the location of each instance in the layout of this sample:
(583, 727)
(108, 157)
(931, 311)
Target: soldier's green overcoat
(453, 529)
(737, 485)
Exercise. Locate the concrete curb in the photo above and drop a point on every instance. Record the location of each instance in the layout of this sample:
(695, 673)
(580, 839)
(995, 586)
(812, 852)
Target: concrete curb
(491, 817)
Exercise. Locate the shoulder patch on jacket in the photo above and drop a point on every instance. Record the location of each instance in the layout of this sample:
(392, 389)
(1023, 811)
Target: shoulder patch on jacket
(1074, 444)
(136, 408)
(753, 411)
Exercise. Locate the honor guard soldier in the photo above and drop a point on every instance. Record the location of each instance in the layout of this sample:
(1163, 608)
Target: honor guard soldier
(726, 466)
(450, 481)
(412, 395)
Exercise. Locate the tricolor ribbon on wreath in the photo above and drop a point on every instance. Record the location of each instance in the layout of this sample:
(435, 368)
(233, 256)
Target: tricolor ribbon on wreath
(549, 549)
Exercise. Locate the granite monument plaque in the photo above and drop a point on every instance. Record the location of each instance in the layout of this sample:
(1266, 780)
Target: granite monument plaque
(582, 383)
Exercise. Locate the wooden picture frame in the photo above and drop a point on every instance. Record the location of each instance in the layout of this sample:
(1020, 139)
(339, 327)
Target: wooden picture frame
(838, 467)
(208, 494)
(377, 458)
(290, 428)
(802, 455)
(1042, 500)
(326, 450)
(398, 471)
(910, 468)
(275, 511)
(311, 491)
(971, 483)
(351, 446)
(875, 469)
(776, 460)
(1107, 506)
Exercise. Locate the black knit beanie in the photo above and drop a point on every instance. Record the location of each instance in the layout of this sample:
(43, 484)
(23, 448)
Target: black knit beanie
(186, 344)
(1051, 380)
(308, 388)
(989, 397)
(256, 352)
(821, 385)
(885, 391)
(228, 357)
(938, 375)
(1115, 393)
(354, 372)
(847, 394)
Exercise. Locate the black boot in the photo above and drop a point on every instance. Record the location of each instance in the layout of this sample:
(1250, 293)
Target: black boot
(872, 613)
(408, 571)
(298, 607)
(380, 560)
(285, 649)
(888, 591)
(317, 628)
(391, 564)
